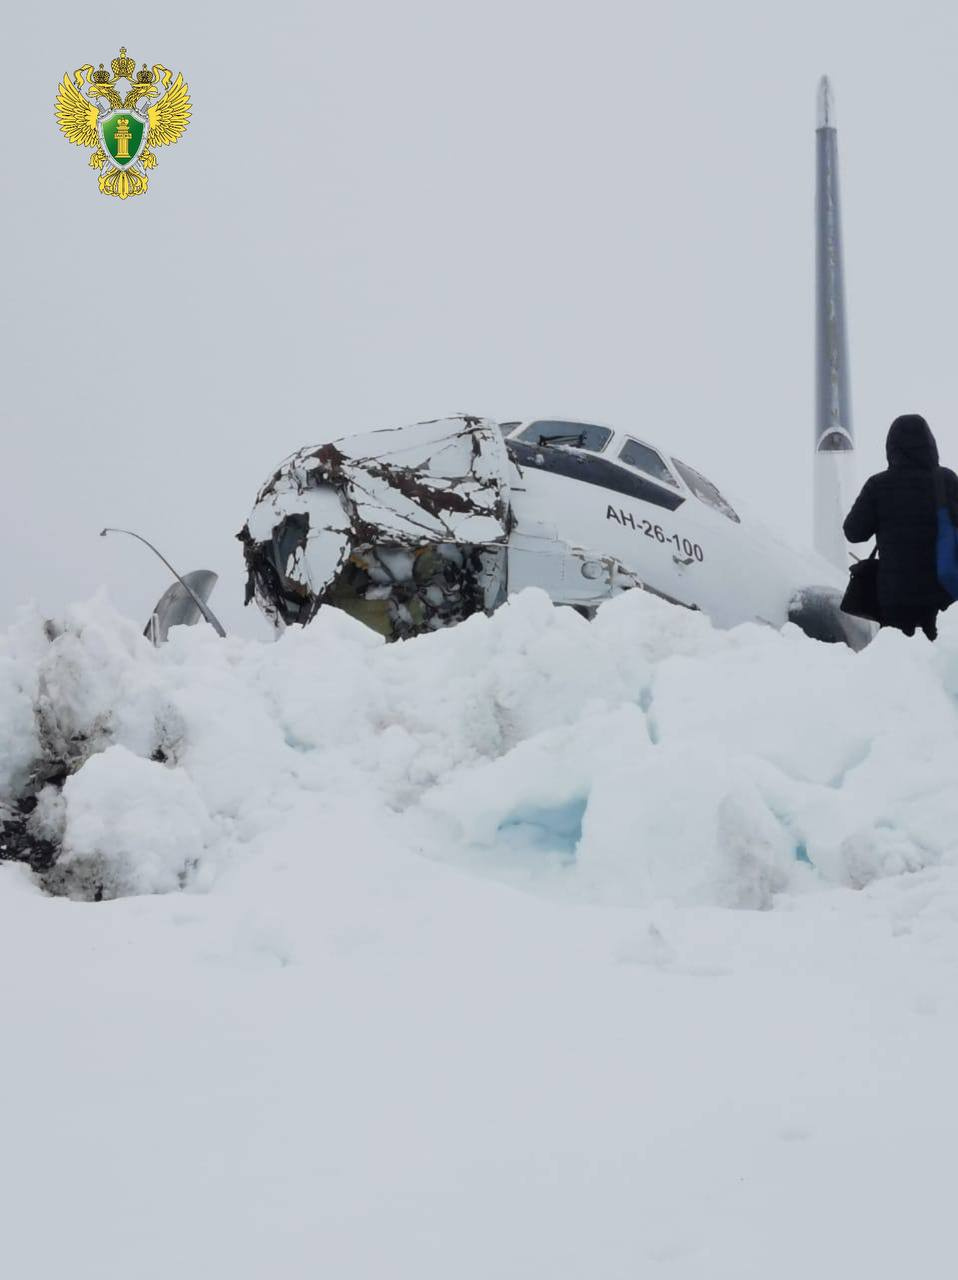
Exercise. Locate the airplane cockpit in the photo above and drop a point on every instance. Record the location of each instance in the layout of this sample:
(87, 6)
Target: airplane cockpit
(601, 452)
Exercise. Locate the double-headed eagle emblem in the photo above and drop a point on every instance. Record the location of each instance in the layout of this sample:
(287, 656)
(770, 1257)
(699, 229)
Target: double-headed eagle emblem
(123, 129)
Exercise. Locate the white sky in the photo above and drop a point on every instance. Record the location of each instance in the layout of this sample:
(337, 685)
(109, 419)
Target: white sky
(383, 212)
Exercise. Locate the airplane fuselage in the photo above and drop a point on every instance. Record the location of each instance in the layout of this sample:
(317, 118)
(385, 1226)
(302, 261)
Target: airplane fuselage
(660, 518)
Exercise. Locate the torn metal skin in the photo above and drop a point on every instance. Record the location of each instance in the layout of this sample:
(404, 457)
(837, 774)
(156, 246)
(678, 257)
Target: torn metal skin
(18, 843)
(405, 529)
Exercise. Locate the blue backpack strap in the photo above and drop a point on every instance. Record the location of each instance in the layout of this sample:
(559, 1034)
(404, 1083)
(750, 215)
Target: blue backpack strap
(947, 544)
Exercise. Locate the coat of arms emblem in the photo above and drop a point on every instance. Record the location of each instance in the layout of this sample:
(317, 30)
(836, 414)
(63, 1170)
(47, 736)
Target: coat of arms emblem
(123, 128)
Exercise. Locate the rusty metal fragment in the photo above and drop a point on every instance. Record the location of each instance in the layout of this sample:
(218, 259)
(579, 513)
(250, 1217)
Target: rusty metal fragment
(406, 529)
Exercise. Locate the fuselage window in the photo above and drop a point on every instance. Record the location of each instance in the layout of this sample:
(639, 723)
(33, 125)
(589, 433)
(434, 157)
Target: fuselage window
(574, 435)
(705, 490)
(645, 459)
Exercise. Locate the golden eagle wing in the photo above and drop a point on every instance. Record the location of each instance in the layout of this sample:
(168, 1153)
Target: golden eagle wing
(170, 116)
(76, 116)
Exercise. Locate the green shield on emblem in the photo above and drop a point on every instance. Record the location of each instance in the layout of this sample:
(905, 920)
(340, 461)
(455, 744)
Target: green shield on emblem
(124, 136)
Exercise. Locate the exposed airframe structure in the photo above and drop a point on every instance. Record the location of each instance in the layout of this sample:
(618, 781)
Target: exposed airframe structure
(409, 530)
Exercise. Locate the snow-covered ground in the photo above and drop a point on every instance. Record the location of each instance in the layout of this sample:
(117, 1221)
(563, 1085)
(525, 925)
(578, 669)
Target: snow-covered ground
(532, 948)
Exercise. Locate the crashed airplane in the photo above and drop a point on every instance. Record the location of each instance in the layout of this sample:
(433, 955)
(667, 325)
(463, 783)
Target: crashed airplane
(415, 528)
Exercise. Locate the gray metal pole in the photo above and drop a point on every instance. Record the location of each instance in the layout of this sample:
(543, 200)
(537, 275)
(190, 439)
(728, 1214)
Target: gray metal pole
(834, 439)
(203, 607)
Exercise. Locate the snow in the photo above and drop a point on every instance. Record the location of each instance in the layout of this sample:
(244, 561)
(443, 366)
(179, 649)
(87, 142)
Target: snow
(533, 947)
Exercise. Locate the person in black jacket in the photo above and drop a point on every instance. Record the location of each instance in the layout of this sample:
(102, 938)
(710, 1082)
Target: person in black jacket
(900, 508)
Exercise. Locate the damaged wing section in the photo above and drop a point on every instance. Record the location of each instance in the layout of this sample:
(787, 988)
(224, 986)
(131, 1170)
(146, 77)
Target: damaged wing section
(408, 530)
(818, 611)
(179, 605)
(405, 529)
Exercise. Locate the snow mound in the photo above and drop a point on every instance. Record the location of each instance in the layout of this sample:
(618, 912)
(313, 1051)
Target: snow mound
(641, 757)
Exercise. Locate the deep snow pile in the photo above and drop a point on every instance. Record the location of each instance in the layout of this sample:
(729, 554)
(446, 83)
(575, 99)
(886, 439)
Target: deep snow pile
(337, 1054)
(640, 757)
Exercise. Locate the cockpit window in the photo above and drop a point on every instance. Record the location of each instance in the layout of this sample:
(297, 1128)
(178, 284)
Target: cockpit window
(646, 459)
(704, 490)
(576, 435)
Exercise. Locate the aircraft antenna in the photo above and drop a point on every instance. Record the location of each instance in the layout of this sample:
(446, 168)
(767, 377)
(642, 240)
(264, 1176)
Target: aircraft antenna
(203, 607)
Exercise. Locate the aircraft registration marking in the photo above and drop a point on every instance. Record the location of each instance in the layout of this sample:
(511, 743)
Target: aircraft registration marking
(692, 550)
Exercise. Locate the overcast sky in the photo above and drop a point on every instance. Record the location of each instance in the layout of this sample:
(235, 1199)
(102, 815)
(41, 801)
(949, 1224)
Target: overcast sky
(383, 212)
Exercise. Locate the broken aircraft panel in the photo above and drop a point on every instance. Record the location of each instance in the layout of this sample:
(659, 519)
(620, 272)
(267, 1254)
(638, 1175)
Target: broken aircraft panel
(408, 529)
(179, 606)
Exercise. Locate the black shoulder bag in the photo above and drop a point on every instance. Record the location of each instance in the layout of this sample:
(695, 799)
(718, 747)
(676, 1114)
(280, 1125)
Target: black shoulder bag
(861, 594)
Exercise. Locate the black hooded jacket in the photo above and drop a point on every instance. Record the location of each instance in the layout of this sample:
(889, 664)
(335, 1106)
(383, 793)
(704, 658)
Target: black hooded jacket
(899, 506)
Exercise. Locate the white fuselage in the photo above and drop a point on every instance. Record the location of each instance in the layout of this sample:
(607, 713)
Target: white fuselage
(680, 545)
